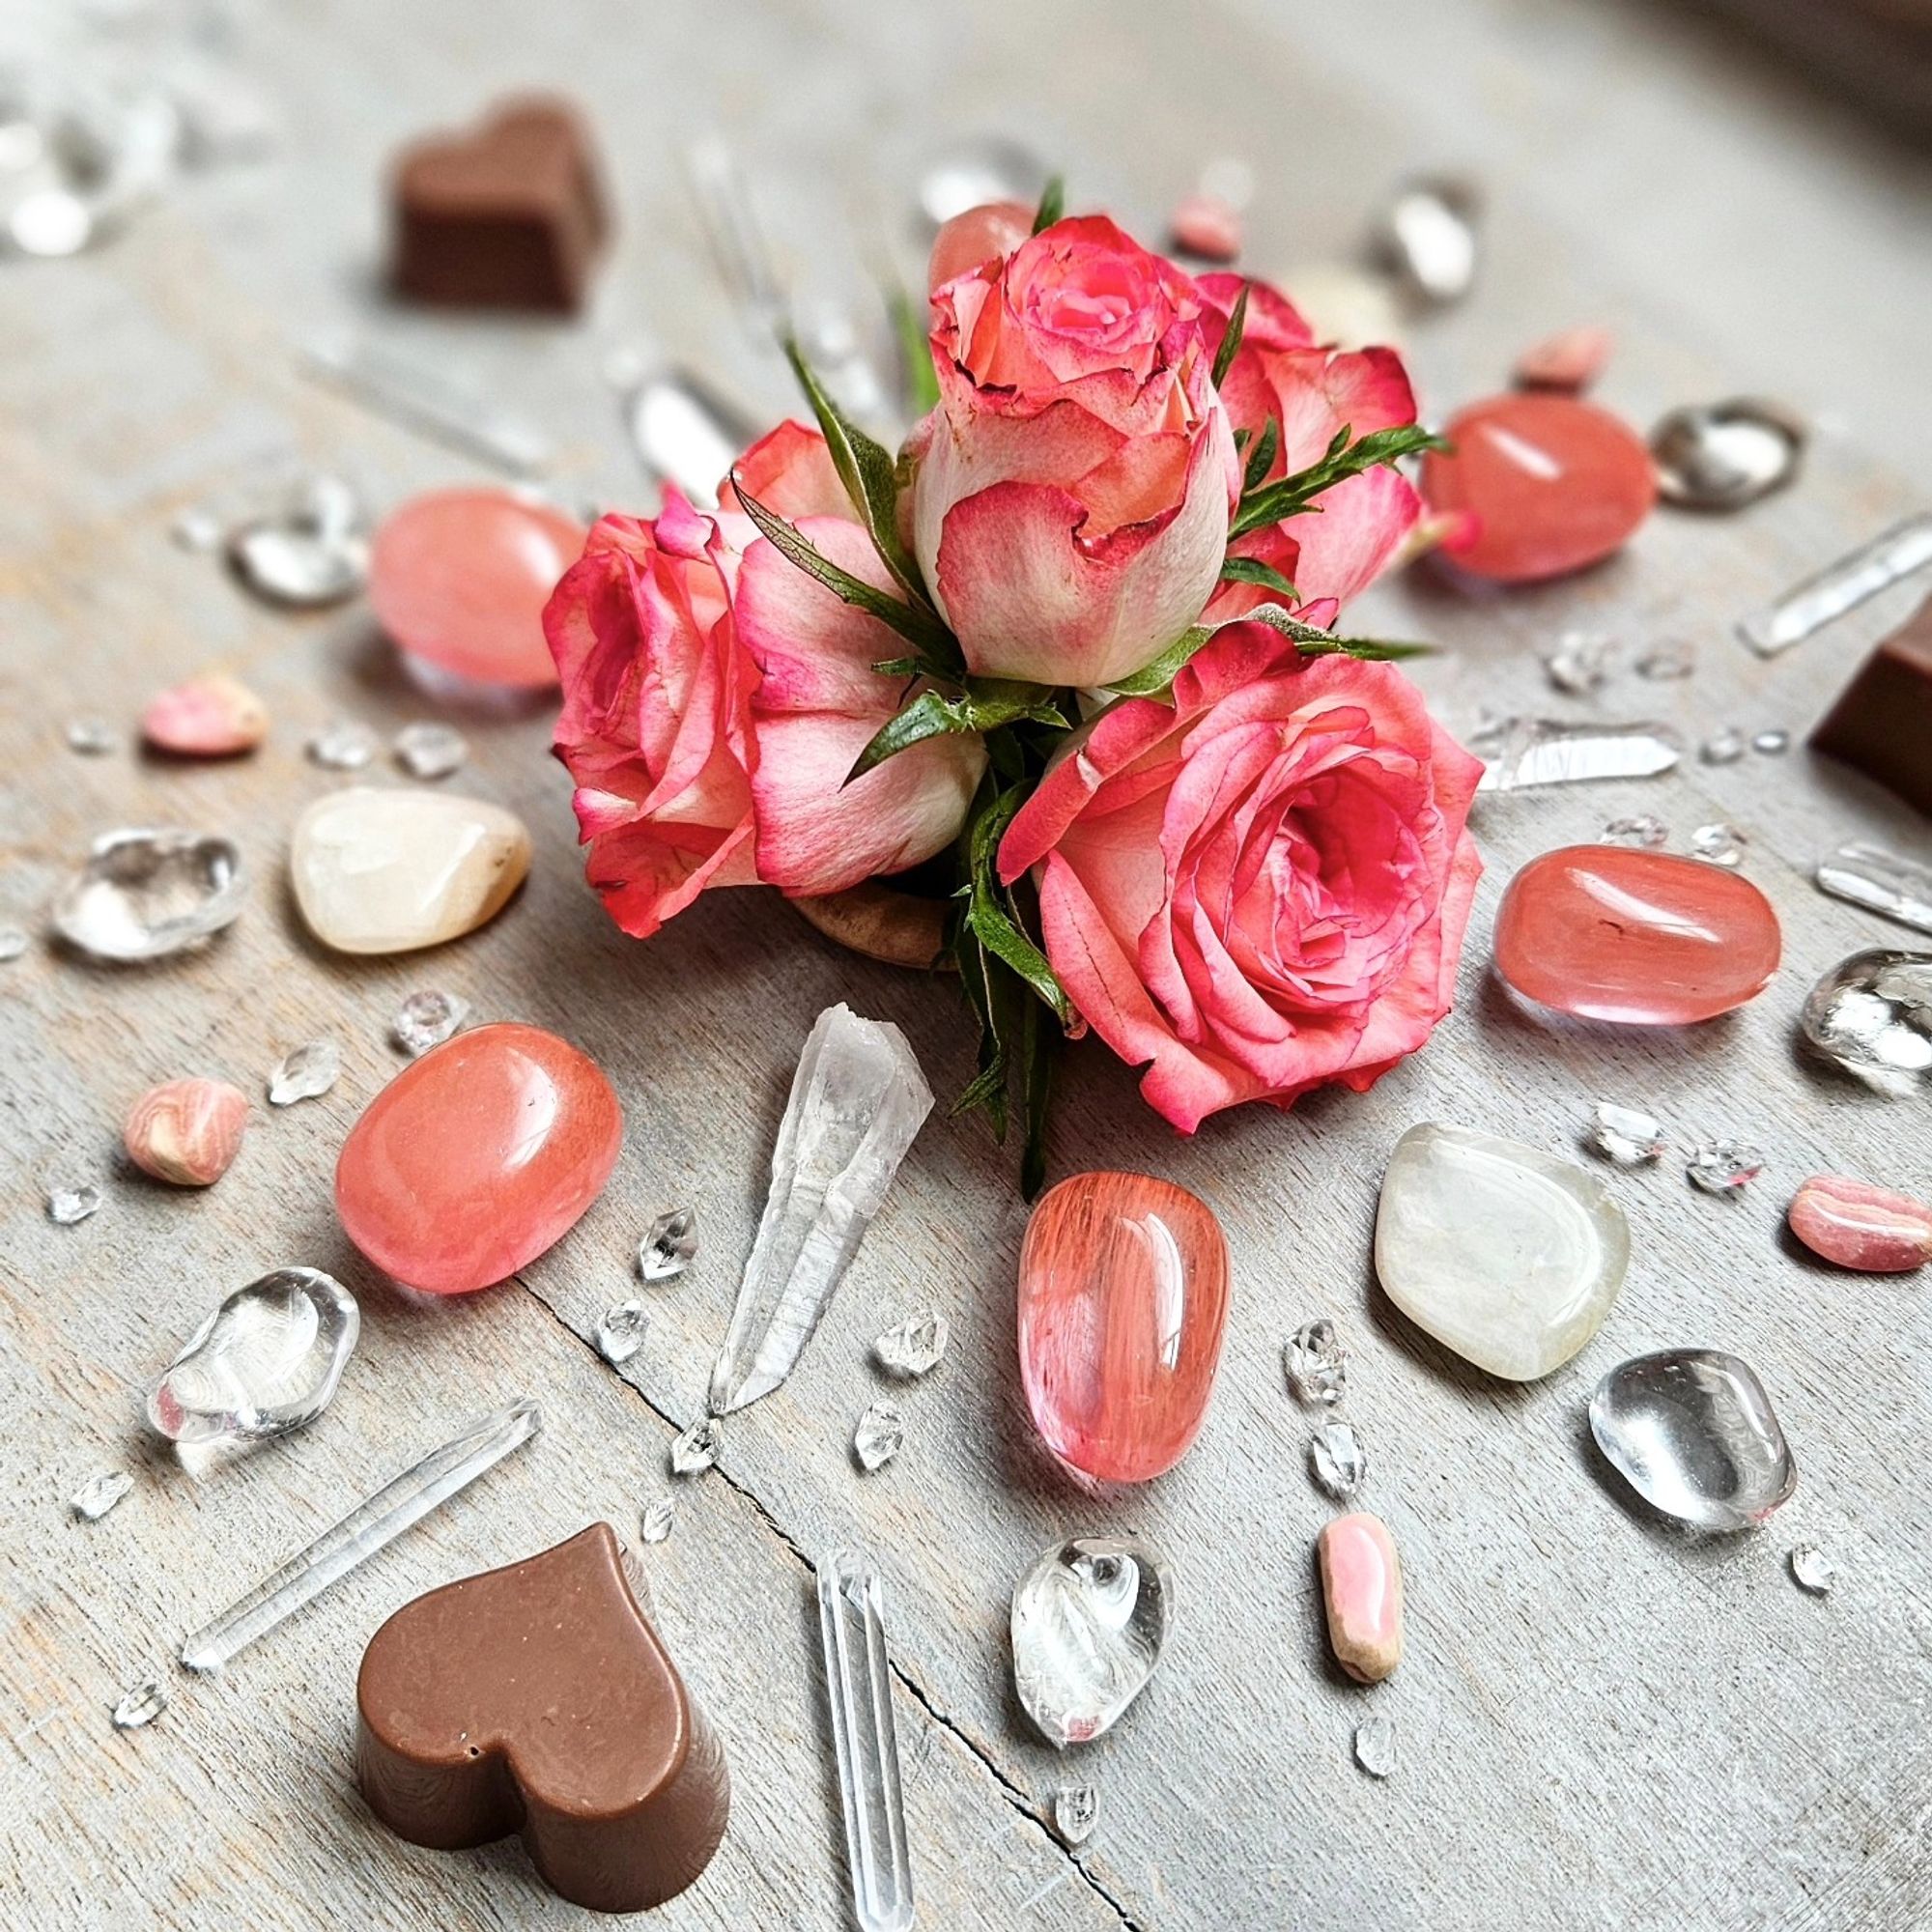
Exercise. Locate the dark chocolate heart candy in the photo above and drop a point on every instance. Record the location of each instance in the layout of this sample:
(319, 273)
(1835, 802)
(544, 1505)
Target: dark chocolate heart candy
(538, 1698)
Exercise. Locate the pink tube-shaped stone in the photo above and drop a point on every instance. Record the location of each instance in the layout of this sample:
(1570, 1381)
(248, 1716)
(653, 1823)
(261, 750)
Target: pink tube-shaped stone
(1860, 1226)
(1361, 1584)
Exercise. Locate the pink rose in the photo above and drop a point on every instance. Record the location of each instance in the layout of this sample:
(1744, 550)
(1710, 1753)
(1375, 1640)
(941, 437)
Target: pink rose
(1072, 490)
(1263, 888)
(715, 698)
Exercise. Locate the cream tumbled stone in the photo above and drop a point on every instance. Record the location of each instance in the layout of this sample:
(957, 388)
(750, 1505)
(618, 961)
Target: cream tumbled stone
(389, 871)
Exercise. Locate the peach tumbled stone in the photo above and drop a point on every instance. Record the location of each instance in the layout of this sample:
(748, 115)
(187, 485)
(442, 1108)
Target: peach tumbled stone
(1361, 1587)
(979, 235)
(1612, 933)
(1123, 1300)
(186, 1132)
(214, 717)
(1860, 1226)
(477, 1157)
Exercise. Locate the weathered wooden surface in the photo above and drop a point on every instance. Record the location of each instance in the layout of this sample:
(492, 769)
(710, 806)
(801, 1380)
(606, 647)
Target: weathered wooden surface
(1602, 1724)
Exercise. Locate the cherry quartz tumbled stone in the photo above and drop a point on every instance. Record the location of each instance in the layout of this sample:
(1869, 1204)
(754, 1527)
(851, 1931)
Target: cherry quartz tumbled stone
(1860, 1226)
(1541, 484)
(1123, 1300)
(1643, 938)
(477, 1157)
(459, 579)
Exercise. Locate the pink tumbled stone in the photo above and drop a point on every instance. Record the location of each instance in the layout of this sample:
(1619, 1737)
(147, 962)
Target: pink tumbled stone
(206, 718)
(982, 233)
(1860, 1226)
(1361, 1585)
(186, 1132)
(1609, 932)
(1205, 226)
(459, 579)
(1571, 360)
(1123, 1299)
(477, 1157)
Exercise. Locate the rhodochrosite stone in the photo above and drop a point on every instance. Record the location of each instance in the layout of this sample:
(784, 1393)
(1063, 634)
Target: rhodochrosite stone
(1645, 938)
(477, 1157)
(1124, 1295)
(1549, 484)
(1860, 1226)
(1361, 1587)
(186, 1132)
(459, 578)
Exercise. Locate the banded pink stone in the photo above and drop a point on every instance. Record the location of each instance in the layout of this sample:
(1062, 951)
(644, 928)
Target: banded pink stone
(1860, 1226)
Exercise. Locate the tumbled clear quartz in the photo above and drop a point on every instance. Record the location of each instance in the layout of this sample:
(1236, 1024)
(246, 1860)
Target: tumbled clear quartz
(1723, 748)
(1869, 876)
(655, 1525)
(1337, 1460)
(426, 751)
(1718, 845)
(145, 893)
(1723, 1167)
(1089, 1622)
(91, 737)
(1644, 830)
(426, 1019)
(857, 1100)
(314, 550)
(1375, 1745)
(1523, 752)
(1812, 1569)
(670, 1242)
(1076, 1810)
(879, 1437)
(621, 1332)
(265, 1361)
(342, 745)
(304, 1073)
(696, 1449)
(914, 1347)
(1872, 1014)
(100, 1493)
(1580, 663)
(1312, 1359)
(141, 1705)
(13, 941)
(1626, 1136)
(67, 1206)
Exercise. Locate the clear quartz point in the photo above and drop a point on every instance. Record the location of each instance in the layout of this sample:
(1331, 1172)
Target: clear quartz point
(1694, 1433)
(370, 1527)
(1520, 753)
(697, 1448)
(859, 1692)
(342, 745)
(1337, 1460)
(857, 1100)
(1886, 882)
(879, 1437)
(143, 893)
(668, 1245)
(1812, 1569)
(655, 1525)
(66, 1206)
(265, 1361)
(1076, 1810)
(429, 751)
(313, 551)
(621, 1332)
(1723, 1167)
(913, 1347)
(1625, 1135)
(1317, 1370)
(1899, 552)
(100, 1493)
(1089, 1622)
(684, 432)
(1376, 1746)
(1643, 830)
(426, 1019)
(1872, 1016)
(304, 1073)
(1718, 845)
(140, 1706)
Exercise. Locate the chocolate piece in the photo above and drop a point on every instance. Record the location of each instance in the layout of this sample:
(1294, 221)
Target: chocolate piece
(509, 216)
(1882, 719)
(538, 1698)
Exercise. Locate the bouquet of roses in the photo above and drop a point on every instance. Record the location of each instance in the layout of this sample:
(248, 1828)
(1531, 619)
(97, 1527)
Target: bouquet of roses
(1076, 644)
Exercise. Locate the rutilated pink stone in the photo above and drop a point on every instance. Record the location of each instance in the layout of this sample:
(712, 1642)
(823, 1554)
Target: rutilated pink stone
(477, 1157)
(1123, 1300)
(1645, 938)
(1860, 1226)
(1361, 1587)
(186, 1132)
(211, 717)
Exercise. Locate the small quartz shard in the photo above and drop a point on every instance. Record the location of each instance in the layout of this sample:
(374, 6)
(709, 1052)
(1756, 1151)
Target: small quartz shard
(214, 717)
(314, 550)
(696, 1449)
(1089, 1622)
(1375, 1747)
(1872, 1014)
(1860, 1226)
(1316, 1367)
(92, 737)
(1812, 1569)
(1645, 831)
(1723, 748)
(1772, 743)
(1721, 456)
(668, 1245)
(186, 1132)
(1362, 1587)
(426, 1019)
(1076, 1810)
(144, 893)
(1523, 752)
(429, 752)
(140, 1706)
(913, 1347)
(305, 1073)
(342, 745)
(13, 941)
(1337, 1460)
(1580, 663)
(1896, 553)
(879, 1437)
(1723, 1167)
(66, 1206)
(857, 1100)
(1625, 1135)
(620, 1334)
(1885, 881)
(656, 1523)
(1718, 845)
(1667, 662)
(100, 1493)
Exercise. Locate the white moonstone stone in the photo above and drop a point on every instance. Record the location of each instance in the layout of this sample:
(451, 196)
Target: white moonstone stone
(388, 870)
(1509, 1255)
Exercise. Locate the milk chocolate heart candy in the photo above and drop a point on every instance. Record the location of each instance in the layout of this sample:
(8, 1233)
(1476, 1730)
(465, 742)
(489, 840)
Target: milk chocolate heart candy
(538, 1698)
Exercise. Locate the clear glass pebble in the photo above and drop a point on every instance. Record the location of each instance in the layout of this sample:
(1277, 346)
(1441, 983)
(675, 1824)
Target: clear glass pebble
(426, 1019)
(92, 737)
(342, 745)
(69, 1205)
(696, 1449)
(1718, 845)
(1872, 1014)
(427, 751)
(655, 1525)
(1428, 236)
(1520, 753)
(1580, 663)
(670, 1242)
(621, 1332)
(306, 1072)
(312, 551)
(1625, 1135)
(1862, 875)
(140, 1706)
(1896, 553)
(265, 1361)
(1076, 1810)
(145, 893)
(1645, 831)
(100, 1493)
(879, 1437)
(1721, 456)
(1375, 1745)
(1812, 1569)
(1089, 1622)
(1772, 742)
(1314, 1365)
(914, 1347)
(1723, 1167)
(1337, 1460)
(1723, 748)
(13, 941)
(1667, 662)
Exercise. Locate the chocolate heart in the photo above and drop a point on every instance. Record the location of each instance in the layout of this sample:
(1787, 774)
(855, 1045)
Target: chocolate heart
(537, 1698)
(511, 216)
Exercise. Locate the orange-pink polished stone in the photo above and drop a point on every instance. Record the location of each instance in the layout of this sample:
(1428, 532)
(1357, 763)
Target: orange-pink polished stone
(460, 578)
(1612, 933)
(1123, 1297)
(1542, 484)
(1362, 1587)
(1860, 1226)
(476, 1157)
(979, 235)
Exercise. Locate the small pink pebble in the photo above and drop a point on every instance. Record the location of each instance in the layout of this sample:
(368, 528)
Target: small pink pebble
(1860, 1226)
(986, 233)
(1361, 1584)
(459, 579)
(186, 1132)
(211, 716)
(1571, 359)
(1207, 226)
